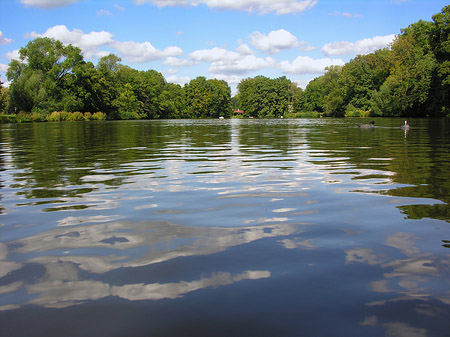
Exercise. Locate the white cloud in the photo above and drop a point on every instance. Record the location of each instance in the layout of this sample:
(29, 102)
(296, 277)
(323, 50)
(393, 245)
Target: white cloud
(242, 65)
(102, 53)
(104, 12)
(280, 7)
(89, 43)
(47, 3)
(3, 68)
(167, 3)
(274, 42)
(230, 79)
(143, 52)
(13, 55)
(176, 62)
(178, 80)
(307, 65)
(364, 46)
(213, 55)
(4, 40)
(244, 49)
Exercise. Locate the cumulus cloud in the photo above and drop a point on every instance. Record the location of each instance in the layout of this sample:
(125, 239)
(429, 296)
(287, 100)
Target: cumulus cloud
(177, 62)
(364, 46)
(13, 55)
(307, 65)
(46, 4)
(144, 51)
(178, 80)
(231, 79)
(213, 55)
(241, 65)
(280, 7)
(4, 40)
(88, 43)
(3, 68)
(275, 41)
(244, 49)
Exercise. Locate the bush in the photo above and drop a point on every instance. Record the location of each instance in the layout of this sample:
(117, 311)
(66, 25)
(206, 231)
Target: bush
(37, 117)
(99, 116)
(87, 116)
(55, 116)
(8, 118)
(23, 117)
(352, 111)
(76, 116)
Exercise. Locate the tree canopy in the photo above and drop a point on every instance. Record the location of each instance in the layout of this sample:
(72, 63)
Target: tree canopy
(411, 78)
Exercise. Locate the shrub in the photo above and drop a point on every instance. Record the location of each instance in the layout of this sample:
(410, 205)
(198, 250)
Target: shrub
(77, 116)
(37, 117)
(87, 116)
(99, 116)
(352, 111)
(55, 116)
(8, 118)
(23, 117)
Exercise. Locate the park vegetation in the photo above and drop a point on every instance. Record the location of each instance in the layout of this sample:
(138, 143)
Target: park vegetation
(52, 82)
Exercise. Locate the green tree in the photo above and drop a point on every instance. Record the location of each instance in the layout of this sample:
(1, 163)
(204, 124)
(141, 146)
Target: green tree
(38, 79)
(126, 103)
(263, 97)
(4, 98)
(440, 43)
(106, 84)
(198, 97)
(353, 86)
(406, 90)
(314, 95)
(173, 102)
(150, 87)
(220, 100)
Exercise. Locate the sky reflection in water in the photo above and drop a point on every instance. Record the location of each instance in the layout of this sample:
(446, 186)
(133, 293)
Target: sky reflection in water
(294, 227)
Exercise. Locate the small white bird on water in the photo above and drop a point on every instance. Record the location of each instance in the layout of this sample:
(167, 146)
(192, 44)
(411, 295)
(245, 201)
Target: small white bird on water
(405, 126)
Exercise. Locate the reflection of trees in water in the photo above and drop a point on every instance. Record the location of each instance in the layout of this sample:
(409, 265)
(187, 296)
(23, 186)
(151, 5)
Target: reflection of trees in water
(420, 160)
(49, 157)
(281, 136)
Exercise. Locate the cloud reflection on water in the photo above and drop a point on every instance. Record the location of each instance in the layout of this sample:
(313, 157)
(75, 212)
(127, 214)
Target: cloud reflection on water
(61, 252)
(409, 280)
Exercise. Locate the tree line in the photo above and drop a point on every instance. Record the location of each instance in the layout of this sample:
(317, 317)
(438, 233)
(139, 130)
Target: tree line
(410, 78)
(50, 77)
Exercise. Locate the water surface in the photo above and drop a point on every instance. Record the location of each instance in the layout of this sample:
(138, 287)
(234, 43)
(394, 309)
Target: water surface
(310, 227)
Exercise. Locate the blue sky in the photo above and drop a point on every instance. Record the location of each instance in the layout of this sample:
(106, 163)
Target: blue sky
(224, 39)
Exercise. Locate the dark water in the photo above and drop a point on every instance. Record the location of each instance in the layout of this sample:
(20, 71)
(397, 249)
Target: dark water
(225, 228)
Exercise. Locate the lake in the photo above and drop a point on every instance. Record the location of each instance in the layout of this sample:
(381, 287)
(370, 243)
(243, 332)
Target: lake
(305, 227)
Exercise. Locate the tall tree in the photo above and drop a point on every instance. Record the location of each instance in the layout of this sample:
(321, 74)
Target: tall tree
(440, 42)
(407, 88)
(264, 97)
(38, 78)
